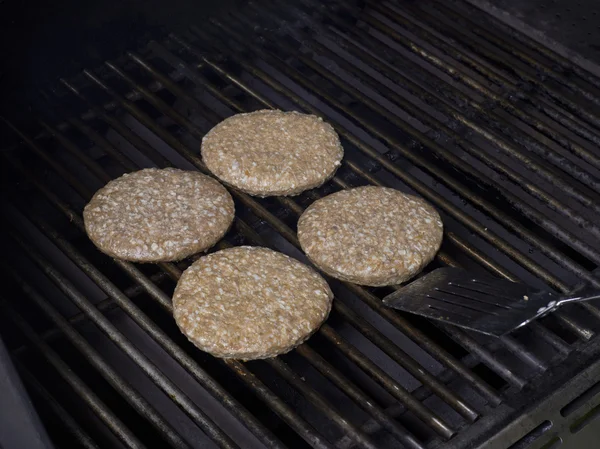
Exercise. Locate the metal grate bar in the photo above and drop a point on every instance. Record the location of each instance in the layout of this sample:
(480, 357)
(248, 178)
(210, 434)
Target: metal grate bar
(525, 354)
(465, 59)
(589, 93)
(463, 191)
(109, 148)
(197, 415)
(489, 45)
(285, 412)
(521, 41)
(488, 159)
(123, 130)
(453, 94)
(425, 191)
(85, 393)
(61, 414)
(528, 356)
(83, 190)
(293, 379)
(544, 151)
(477, 152)
(380, 376)
(456, 403)
(413, 402)
(79, 222)
(449, 92)
(132, 396)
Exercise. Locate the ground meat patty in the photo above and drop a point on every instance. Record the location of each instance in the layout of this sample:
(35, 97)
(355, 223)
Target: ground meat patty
(267, 153)
(155, 215)
(370, 235)
(250, 303)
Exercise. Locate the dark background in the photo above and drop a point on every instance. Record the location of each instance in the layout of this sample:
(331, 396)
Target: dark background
(43, 40)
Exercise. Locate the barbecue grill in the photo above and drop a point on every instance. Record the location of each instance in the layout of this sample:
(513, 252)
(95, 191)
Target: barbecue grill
(497, 129)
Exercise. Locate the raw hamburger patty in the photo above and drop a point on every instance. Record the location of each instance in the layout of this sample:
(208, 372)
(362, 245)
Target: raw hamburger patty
(370, 235)
(155, 215)
(250, 303)
(267, 153)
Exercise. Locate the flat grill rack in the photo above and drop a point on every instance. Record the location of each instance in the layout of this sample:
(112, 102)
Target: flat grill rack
(436, 98)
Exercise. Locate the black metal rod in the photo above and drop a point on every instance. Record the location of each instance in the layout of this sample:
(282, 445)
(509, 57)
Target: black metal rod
(105, 305)
(157, 102)
(172, 86)
(76, 152)
(477, 35)
(360, 398)
(460, 57)
(375, 303)
(321, 403)
(458, 214)
(285, 412)
(81, 189)
(483, 109)
(520, 39)
(430, 120)
(485, 356)
(423, 340)
(478, 40)
(452, 95)
(384, 379)
(453, 159)
(188, 406)
(135, 140)
(404, 360)
(523, 353)
(187, 362)
(421, 393)
(103, 143)
(62, 415)
(455, 402)
(130, 394)
(116, 426)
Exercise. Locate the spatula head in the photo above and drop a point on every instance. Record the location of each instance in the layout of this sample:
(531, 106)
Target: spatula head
(484, 304)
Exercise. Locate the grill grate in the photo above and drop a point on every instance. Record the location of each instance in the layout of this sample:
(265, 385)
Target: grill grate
(496, 131)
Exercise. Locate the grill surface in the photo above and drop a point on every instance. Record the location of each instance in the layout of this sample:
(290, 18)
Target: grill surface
(437, 99)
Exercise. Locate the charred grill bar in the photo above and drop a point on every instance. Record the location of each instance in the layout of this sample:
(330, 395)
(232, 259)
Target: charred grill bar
(498, 132)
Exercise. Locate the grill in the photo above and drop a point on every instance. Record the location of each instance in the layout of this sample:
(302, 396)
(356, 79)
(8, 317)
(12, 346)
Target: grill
(440, 99)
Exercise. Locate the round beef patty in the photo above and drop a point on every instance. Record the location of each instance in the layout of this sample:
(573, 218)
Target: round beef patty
(250, 303)
(269, 153)
(155, 215)
(370, 235)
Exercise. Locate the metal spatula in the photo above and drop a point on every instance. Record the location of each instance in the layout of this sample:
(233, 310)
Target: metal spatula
(484, 304)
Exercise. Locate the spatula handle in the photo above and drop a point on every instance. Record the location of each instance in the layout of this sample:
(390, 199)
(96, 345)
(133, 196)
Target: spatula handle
(583, 298)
